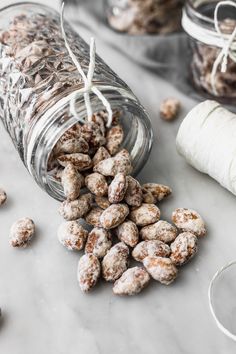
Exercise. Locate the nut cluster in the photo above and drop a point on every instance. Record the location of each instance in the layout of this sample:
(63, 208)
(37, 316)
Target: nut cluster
(114, 206)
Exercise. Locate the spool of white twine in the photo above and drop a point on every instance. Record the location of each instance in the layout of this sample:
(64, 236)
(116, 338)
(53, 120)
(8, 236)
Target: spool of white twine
(207, 140)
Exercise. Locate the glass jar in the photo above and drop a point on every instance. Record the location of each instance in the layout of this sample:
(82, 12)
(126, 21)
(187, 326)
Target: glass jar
(205, 47)
(144, 16)
(36, 78)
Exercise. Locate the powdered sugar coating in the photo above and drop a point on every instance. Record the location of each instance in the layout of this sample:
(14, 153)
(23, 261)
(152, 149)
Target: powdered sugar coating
(93, 134)
(100, 155)
(132, 282)
(189, 220)
(134, 195)
(71, 181)
(88, 272)
(117, 188)
(75, 209)
(97, 184)
(21, 232)
(146, 214)
(114, 137)
(154, 248)
(169, 108)
(93, 217)
(161, 230)
(73, 145)
(128, 233)
(98, 242)
(114, 215)
(115, 262)
(161, 269)
(158, 191)
(183, 248)
(79, 160)
(114, 165)
(102, 202)
(3, 196)
(72, 235)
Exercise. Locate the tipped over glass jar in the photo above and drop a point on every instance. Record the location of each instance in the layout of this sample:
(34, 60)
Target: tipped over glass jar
(208, 73)
(144, 16)
(37, 78)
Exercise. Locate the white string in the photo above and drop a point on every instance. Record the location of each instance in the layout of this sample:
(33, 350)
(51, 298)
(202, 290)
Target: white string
(88, 80)
(226, 51)
(218, 323)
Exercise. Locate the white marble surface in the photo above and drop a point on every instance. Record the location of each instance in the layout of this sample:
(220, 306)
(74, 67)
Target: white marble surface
(44, 311)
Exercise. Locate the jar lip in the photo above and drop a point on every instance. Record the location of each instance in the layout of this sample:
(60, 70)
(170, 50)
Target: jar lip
(31, 3)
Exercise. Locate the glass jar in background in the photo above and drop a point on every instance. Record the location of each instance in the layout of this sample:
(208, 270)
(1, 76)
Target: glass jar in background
(205, 46)
(144, 16)
(36, 78)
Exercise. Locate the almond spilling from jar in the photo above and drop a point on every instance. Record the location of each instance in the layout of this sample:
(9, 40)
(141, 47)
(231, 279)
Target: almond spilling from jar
(97, 184)
(154, 248)
(128, 233)
(72, 210)
(114, 165)
(114, 137)
(88, 271)
(72, 235)
(146, 214)
(71, 181)
(115, 262)
(21, 232)
(161, 230)
(189, 220)
(134, 195)
(117, 188)
(114, 215)
(132, 282)
(158, 191)
(183, 248)
(161, 269)
(79, 160)
(98, 242)
(93, 217)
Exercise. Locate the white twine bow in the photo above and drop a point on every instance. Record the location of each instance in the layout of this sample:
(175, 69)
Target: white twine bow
(227, 50)
(88, 80)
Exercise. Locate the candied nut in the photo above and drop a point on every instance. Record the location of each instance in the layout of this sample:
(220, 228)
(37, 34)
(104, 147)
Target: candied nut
(159, 191)
(89, 270)
(102, 202)
(123, 153)
(128, 233)
(21, 232)
(93, 217)
(148, 197)
(98, 242)
(154, 248)
(114, 165)
(74, 145)
(100, 155)
(80, 161)
(97, 184)
(115, 136)
(75, 209)
(114, 215)
(170, 108)
(3, 196)
(189, 220)
(183, 248)
(72, 133)
(92, 133)
(134, 195)
(72, 235)
(71, 181)
(115, 262)
(146, 214)
(161, 269)
(161, 230)
(132, 281)
(117, 188)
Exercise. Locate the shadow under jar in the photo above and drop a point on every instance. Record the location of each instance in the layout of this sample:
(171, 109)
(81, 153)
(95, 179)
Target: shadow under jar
(37, 77)
(144, 16)
(205, 46)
